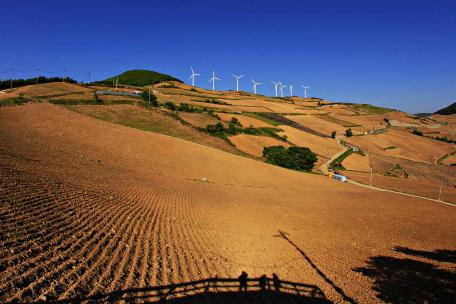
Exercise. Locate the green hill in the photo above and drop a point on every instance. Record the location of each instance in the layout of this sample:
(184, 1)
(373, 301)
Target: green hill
(139, 78)
(451, 109)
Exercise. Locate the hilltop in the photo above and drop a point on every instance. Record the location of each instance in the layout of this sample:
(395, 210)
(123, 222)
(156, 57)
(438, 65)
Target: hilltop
(451, 109)
(139, 78)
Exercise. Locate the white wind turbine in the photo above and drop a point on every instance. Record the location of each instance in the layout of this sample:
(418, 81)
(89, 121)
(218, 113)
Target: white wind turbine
(192, 77)
(237, 81)
(281, 89)
(255, 85)
(305, 90)
(276, 86)
(291, 90)
(213, 79)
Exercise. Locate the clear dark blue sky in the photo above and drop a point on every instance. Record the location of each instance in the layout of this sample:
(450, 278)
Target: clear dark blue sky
(399, 54)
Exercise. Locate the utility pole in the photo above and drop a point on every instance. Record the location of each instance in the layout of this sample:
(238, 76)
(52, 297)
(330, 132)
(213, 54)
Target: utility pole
(89, 77)
(117, 82)
(440, 191)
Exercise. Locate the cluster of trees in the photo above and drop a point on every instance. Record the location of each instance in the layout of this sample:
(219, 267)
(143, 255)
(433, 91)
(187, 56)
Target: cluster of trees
(296, 158)
(234, 127)
(150, 98)
(416, 132)
(445, 139)
(6, 84)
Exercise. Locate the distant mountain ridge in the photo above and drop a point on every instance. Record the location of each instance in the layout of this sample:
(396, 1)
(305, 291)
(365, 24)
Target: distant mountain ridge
(139, 78)
(451, 109)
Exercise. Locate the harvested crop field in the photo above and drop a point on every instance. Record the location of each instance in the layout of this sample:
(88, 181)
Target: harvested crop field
(318, 124)
(200, 120)
(357, 162)
(246, 121)
(90, 207)
(408, 146)
(152, 120)
(47, 89)
(253, 144)
(322, 146)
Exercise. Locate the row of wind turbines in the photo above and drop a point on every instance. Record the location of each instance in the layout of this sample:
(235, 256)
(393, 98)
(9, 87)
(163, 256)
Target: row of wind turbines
(278, 86)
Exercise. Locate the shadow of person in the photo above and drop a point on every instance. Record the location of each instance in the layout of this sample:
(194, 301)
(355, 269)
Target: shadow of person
(276, 282)
(263, 282)
(243, 281)
(409, 281)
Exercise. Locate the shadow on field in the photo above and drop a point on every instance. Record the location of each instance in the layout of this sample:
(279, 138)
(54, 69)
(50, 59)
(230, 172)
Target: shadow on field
(407, 280)
(214, 290)
(339, 290)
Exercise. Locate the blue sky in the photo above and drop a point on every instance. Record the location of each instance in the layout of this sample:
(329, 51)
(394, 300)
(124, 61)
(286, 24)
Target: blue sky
(399, 54)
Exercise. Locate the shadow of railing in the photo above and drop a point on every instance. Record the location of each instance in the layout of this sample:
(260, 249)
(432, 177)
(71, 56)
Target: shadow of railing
(213, 290)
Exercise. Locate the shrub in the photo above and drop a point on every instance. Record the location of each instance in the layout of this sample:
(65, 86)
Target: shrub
(297, 158)
(185, 107)
(333, 135)
(234, 125)
(349, 132)
(416, 132)
(150, 98)
(169, 105)
(193, 90)
(215, 129)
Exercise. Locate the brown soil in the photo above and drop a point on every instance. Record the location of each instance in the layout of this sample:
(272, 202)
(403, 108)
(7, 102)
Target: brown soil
(246, 121)
(200, 120)
(254, 145)
(357, 162)
(88, 206)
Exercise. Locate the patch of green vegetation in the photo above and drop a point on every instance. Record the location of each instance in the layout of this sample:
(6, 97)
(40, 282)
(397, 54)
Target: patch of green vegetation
(337, 163)
(150, 98)
(170, 106)
(212, 101)
(262, 118)
(349, 133)
(296, 158)
(12, 101)
(139, 78)
(451, 109)
(370, 108)
(337, 121)
(390, 148)
(416, 132)
(235, 127)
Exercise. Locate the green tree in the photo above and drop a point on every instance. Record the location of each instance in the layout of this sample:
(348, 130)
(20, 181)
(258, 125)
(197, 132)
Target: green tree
(333, 135)
(150, 98)
(349, 132)
(297, 158)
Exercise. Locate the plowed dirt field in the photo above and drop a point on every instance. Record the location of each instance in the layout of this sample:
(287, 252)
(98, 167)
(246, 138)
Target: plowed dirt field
(90, 207)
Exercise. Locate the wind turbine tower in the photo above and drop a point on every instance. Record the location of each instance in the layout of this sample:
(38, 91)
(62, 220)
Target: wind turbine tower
(291, 90)
(255, 84)
(237, 81)
(213, 79)
(305, 90)
(276, 86)
(281, 89)
(192, 77)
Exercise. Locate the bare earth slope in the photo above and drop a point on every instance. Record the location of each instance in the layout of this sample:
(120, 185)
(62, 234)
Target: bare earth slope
(88, 206)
